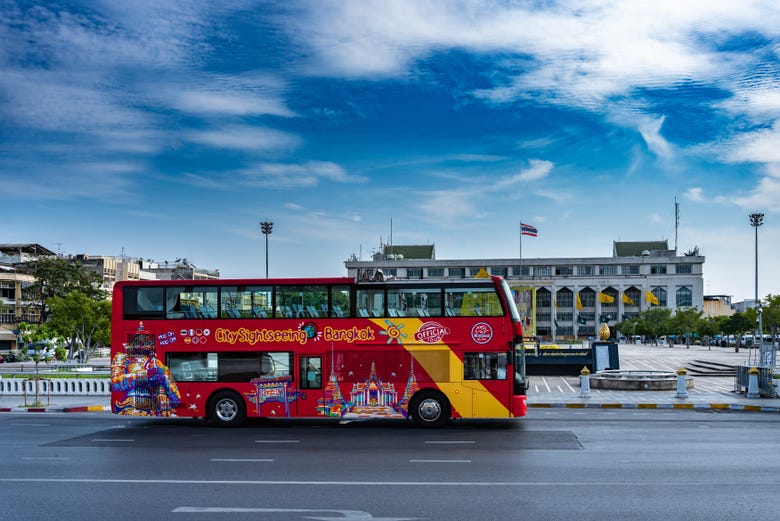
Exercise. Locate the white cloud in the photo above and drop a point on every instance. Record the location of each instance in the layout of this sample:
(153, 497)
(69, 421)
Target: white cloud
(537, 169)
(762, 146)
(765, 196)
(651, 133)
(296, 175)
(244, 137)
(233, 104)
(694, 194)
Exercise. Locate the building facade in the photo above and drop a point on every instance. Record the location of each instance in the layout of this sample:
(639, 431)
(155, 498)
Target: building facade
(567, 298)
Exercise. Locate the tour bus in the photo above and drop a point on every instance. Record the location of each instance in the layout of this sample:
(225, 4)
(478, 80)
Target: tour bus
(226, 350)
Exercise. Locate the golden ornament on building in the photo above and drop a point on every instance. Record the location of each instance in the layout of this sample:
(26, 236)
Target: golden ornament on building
(604, 332)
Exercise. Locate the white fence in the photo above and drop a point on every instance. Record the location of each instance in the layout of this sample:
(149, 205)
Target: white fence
(56, 386)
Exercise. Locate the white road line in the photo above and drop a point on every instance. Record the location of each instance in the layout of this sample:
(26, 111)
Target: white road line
(308, 483)
(567, 384)
(453, 442)
(439, 461)
(47, 459)
(277, 441)
(544, 381)
(242, 460)
(123, 440)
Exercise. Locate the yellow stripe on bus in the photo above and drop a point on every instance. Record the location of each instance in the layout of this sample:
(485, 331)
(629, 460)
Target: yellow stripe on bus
(471, 399)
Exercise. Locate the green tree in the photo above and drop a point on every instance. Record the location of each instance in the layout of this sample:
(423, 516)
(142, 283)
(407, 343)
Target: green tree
(737, 325)
(771, 314)
(40, 333)
(654, 322)
(56, 277)
(84, 323)
(686, 322)
(709, 327)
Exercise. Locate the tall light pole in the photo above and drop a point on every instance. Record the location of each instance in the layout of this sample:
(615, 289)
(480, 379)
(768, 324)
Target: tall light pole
(266, 227)
(756, 220)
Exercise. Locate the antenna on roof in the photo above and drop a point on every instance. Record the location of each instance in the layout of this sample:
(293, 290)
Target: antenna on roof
(676, 222)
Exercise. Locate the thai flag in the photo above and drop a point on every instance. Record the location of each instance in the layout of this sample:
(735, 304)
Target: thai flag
(527, 229)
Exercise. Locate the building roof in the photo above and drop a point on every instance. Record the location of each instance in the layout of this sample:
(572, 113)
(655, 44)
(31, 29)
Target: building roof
(411, 252)
(640, 248)
(28, 248)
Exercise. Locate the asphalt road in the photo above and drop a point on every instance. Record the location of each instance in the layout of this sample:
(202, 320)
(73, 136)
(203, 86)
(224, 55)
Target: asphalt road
(554, 464)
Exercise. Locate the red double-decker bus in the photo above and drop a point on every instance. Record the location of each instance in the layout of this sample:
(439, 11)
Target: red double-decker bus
(428, 350)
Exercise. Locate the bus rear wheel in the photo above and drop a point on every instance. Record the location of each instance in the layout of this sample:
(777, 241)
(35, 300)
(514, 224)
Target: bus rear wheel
(430, 409)
(226, 409)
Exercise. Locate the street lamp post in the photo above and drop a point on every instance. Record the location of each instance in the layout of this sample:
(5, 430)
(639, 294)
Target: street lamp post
(266, 227)
(756, 220)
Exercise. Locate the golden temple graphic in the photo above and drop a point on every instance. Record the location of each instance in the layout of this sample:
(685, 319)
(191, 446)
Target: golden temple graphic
(368, 399)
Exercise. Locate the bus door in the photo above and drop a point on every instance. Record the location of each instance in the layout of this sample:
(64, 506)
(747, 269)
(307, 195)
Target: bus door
(310, 384)
(485, 373)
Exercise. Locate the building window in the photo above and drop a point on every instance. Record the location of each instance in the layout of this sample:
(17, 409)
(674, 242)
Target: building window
(501, 272)
(564, 299)
(584, 270)
(565, 330)
(390, 271)
(684, 297)
(414, 273)
(564, 270)
(458, 273)
(631, 297)
(629, 270)
(519, 271)
(658, 269)
(660, 294)
(607, 270)
(435, 272)
(473, 272)
(587, 298)
(683, 268)
(542, 271)
(543, 299)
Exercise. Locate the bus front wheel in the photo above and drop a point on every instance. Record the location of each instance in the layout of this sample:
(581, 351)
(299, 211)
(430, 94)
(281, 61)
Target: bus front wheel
(430, 409)
(226, 409)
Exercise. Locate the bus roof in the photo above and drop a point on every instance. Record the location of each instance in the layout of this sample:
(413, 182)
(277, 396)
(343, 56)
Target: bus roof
(301, 281)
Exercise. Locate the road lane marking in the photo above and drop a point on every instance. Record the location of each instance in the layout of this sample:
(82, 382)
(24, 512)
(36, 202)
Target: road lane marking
(743, 484)
(277, 441)
(43, 458)
(242, 460)
(439, 461)
(123, 440)
(452, 442)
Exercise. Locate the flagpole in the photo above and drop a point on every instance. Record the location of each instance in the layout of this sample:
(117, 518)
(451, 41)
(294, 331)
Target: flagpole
(521, 248)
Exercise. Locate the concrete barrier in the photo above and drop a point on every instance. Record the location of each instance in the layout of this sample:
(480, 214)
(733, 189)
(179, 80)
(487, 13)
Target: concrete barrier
(56, 386)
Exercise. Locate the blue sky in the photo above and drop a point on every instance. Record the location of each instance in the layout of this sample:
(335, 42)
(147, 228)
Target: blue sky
(169, 129)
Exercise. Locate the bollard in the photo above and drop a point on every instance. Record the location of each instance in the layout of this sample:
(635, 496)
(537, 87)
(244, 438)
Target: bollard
(682, 384)
(584, 383)
(753, 383)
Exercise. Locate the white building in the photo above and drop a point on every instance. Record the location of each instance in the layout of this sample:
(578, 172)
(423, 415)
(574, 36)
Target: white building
(565, 297)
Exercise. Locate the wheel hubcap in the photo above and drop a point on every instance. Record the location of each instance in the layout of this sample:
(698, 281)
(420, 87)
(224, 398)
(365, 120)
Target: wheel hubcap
(226, 410)
(429, 410)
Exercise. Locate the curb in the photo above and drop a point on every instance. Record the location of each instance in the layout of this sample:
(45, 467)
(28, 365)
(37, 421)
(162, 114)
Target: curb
(688, 406)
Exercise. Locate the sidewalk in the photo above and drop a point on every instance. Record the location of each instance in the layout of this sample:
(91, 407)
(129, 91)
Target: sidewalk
(57, 404)
(709, 392)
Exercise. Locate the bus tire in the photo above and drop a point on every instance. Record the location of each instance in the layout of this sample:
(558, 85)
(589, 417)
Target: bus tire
(226, 409)
(430, 409)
